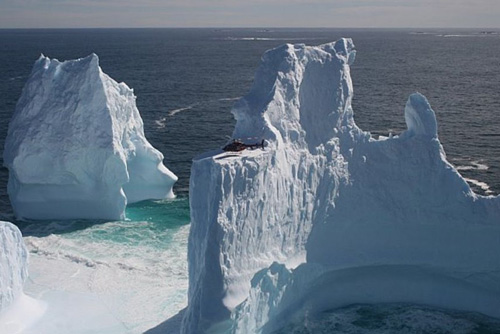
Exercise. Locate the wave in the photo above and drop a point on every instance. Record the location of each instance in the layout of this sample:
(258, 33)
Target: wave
(474, 165)
(176, 111)
(162, 122)
(122, 245)
(191, 106)
(482, 185)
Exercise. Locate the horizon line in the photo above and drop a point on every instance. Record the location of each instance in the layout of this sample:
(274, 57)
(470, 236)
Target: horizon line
(241, 27)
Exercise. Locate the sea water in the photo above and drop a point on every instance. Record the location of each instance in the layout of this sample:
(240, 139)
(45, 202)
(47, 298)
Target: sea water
(110, 277)
(130, 276)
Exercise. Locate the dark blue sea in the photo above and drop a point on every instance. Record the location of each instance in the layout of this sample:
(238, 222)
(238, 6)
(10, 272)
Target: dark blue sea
(186, 81)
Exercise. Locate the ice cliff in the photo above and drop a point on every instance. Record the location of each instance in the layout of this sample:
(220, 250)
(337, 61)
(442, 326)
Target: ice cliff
(76, 146)
(327, 215)
(17, 310)
(13, 264)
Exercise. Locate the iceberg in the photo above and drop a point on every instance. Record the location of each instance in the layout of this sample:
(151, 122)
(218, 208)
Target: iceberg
(13, 264)
(17, 311)
(76, 146)
(326, 215)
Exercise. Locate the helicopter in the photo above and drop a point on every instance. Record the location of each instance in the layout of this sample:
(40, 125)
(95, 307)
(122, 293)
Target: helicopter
(238, 145)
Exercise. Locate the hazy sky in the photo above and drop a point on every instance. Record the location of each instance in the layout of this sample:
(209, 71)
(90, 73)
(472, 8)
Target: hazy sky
(250, 13)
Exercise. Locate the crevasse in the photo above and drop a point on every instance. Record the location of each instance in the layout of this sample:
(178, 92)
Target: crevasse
(327, 216)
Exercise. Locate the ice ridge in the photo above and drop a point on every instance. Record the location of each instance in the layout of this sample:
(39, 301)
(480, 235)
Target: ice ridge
(326, 215)
(76, 147)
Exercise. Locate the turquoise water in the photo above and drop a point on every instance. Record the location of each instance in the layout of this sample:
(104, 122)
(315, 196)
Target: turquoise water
(148, 222)
(126, 276)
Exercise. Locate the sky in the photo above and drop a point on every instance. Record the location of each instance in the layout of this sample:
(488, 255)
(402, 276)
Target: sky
(249, 13)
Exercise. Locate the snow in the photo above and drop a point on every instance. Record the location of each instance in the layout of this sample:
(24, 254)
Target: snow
(76, 146)
(17, 311)
(326, 215)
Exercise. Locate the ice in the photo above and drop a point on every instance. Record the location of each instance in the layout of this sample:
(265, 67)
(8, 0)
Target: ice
(76, 146)
(420, 118)
(327, 215)
(13, 264)
(17, 311)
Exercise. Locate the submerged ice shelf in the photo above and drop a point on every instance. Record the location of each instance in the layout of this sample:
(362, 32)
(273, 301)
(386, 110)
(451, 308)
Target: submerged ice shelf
(76, 146)
(328, 216)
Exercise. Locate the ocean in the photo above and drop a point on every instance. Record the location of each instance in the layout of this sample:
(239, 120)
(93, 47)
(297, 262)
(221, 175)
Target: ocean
(130, 276)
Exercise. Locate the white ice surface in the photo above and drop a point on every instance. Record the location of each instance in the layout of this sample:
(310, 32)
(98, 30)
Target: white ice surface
(76, 146)
(373, 221)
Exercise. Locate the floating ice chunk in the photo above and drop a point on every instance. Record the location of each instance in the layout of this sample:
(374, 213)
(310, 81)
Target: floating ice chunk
(76, 146)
